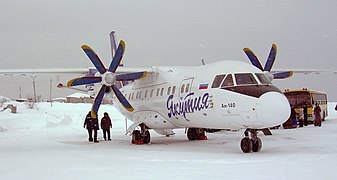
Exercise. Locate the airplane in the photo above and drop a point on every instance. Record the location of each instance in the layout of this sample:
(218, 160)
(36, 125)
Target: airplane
(228, 94)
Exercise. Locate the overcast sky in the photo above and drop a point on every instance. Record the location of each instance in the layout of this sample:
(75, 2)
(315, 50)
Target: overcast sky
(46, 34)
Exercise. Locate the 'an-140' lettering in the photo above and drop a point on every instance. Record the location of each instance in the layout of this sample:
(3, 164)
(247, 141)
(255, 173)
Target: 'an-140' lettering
(188, 104)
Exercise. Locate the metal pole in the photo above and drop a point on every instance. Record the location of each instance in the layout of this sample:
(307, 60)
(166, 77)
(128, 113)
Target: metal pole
(51, 85)
(34, 87)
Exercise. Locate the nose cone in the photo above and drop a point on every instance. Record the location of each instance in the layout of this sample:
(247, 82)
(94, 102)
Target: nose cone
(273, 109)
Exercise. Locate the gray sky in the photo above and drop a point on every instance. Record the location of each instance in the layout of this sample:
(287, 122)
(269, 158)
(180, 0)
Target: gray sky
(45, 34)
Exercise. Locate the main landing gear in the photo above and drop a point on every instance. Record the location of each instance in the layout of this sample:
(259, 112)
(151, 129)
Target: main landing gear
(142, 136)
(196, 134)
(252, 143)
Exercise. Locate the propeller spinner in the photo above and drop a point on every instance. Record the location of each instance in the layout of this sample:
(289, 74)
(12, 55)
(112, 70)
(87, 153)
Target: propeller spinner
(107, 77)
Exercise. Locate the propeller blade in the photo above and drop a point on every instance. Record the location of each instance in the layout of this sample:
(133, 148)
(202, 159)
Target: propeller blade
(83, 81)
(122, 99)
(131, 76)
(118, 57)
(98, 101)
(283, 75)
(271, 58)
(94, 59)
(253, 59)
(113, 43)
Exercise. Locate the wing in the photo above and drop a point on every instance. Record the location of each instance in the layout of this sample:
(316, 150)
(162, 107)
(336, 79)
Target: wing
(305, 71)
(44, 71)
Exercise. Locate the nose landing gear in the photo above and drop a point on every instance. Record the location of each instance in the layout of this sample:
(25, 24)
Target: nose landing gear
(252, 143)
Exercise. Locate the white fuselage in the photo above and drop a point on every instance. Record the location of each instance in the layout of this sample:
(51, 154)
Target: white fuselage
(180, 97)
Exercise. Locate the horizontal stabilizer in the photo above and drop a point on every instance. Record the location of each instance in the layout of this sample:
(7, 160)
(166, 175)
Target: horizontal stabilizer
(283, 75)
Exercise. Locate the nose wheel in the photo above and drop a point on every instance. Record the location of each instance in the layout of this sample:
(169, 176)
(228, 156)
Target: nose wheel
(251, 143)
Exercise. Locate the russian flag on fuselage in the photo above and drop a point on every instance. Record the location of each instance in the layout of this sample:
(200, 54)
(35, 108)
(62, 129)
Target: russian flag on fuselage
(203, 86)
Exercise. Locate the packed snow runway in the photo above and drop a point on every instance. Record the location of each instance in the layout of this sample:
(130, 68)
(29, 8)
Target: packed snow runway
(50, 143)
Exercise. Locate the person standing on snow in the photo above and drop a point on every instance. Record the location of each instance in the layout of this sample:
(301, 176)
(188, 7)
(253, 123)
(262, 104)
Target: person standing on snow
(96, 128)
(317, 113)
(106, 125)
(305, 114)
(91, 124)
(88, 125)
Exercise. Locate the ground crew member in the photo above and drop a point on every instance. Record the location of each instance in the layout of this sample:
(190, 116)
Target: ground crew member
(317, 113)
(91, 124)
(88, 124)
(106, 125)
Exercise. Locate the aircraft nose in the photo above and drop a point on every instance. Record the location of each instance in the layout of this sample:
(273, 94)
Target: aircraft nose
(272, 109)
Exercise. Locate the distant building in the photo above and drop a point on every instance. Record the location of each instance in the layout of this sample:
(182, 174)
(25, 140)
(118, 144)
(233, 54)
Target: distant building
(61, 100)
(83, 98)
(79, 98)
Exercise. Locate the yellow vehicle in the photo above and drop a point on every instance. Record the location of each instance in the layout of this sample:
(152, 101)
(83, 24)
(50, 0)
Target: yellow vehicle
(305, 97)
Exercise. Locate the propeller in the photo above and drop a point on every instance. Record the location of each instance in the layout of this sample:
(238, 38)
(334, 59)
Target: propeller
(107, 77)
(269, 63)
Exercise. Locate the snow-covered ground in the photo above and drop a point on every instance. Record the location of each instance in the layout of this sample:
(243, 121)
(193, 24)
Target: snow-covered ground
(50, 143)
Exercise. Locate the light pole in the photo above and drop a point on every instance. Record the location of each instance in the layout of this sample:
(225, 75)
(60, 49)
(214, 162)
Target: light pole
(33, 77)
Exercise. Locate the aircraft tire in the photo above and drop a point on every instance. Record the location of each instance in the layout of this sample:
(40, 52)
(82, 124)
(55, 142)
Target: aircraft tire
(136, 136)
(246, 145)
(257, 144)
(192, 134)
(147, 137)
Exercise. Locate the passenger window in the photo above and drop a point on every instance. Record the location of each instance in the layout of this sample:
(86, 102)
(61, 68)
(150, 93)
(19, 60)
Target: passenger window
(162, 92)
(168, 90)
(182, 88)
(157, 92)
(187, 87)
(174, 90)
(217, 80)
(263, 78)
(132, 95)
(129, 96)
(151, 93)
(228, 81)
(145, 94)
(244, 79)
(140, 95)
(137, 95)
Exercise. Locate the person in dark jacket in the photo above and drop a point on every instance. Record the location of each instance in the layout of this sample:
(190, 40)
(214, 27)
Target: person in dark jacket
(91, 124)
(96, 128)
(317, 113)
(106, 125)
(305, 114)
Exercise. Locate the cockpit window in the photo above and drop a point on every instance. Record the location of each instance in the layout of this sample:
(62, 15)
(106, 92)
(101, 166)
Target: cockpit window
(217, 80)
(228, 81)
(244, 79)
(263, 78)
